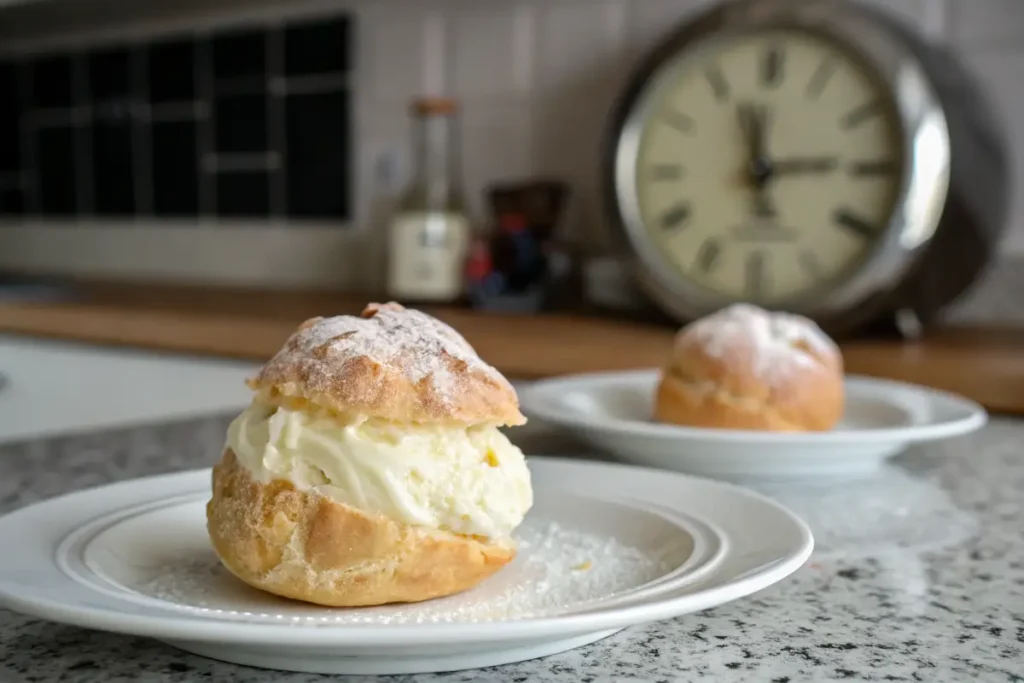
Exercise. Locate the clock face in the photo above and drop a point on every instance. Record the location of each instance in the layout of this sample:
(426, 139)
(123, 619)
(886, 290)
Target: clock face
(768, 166)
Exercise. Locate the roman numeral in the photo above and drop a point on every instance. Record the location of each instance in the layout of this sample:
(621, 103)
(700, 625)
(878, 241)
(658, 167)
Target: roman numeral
(675, 217)
(859, 115)
(771, 66)
(847, 219)
(756, 274)
(872, 168)
(821, 76)
(719, 86)
(667, 171)
(707, 255)
(684, 123)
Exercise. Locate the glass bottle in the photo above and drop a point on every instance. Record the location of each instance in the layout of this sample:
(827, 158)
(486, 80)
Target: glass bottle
(429, 233)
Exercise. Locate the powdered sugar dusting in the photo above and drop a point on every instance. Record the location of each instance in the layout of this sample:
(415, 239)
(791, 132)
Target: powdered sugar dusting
(781, 342)
(390, 335)
(558, 570)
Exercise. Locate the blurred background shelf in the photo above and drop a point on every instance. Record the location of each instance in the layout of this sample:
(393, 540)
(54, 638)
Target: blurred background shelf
(982, 363)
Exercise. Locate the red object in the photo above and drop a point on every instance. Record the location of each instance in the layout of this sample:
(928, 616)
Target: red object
(479, 264)
(512, 222)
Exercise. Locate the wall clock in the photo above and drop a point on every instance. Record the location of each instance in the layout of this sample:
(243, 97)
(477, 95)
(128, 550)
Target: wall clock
(815, 156)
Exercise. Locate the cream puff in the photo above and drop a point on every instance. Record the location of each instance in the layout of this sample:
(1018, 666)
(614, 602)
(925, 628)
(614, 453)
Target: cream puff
(370, 467)
(747, 368)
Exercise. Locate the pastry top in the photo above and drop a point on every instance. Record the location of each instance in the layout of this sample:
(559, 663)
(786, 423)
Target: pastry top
(754, 347)
(390, 363)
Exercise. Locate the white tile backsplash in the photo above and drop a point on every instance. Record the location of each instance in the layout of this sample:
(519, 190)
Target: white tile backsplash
(918, 12)
(495, 146)
(567, 139)
(398, 53)
(651, 21)
(537, 78)
(992, 24)
(1001, 71)
(492, 52)
(579, 46)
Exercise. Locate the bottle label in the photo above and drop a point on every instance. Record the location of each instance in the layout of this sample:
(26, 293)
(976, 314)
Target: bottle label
(427, 253)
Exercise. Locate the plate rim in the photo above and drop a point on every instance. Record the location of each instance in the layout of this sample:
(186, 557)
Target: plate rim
(193, 628)
(536, 400)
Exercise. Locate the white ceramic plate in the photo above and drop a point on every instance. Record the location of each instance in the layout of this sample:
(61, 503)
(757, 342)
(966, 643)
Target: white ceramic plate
(612, 411)
(605, 547)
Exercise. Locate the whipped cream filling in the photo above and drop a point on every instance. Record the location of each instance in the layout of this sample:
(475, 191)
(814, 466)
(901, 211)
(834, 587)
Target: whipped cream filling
(466, 480)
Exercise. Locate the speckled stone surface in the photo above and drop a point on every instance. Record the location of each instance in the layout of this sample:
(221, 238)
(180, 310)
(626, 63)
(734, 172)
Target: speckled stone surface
(919, 576)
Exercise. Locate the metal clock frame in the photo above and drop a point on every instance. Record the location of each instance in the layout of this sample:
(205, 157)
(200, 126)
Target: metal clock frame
(924, 133)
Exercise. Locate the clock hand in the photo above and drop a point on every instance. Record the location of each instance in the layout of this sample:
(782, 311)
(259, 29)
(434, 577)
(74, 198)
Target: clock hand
(745, 115)
(750, 124)
(763, 207)
(802, 165)
(753, 121)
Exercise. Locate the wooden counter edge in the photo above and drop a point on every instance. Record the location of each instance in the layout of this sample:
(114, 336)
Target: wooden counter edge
(984, 365)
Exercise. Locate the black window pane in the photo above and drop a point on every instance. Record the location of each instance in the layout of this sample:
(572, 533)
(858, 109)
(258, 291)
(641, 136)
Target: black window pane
(110, 74)
(240, 123)
(242, 194)
(55, 150)
(318, 153)
(317, 47)
(175, 168)
(52, 82)
(171, 67)
(10, 145)
(239, 55)
(12, 202)
(113, 175)
(10, 117)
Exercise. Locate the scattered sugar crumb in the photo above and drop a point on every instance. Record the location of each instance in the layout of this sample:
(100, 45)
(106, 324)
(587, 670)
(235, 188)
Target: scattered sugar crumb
(545, 579)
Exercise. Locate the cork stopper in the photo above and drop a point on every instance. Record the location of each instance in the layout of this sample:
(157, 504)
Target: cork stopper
(434, 106)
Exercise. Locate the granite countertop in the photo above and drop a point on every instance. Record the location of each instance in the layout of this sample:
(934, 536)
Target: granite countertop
(918, 576)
